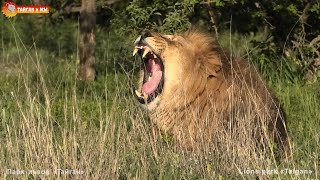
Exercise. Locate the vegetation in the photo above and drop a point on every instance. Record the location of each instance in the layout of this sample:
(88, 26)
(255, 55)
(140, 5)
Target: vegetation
(50, 120)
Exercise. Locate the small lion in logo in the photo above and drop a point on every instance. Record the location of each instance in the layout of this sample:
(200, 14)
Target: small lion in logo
(9, 9)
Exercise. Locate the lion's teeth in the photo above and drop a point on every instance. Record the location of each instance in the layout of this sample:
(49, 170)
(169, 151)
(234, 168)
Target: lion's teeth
(154, 56)
(135, 51)
(145, 96)
(146, 50)
(137, 40)
(149, 78)
(138, 93)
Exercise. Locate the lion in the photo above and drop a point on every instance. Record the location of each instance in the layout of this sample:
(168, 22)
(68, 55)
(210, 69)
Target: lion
(193, 89)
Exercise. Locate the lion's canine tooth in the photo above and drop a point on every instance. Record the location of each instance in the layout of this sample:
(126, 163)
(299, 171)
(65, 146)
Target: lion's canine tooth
(145, 96)
(137, 40)
(146, 50)
(138, 93)
(135, 51)
(154, 56)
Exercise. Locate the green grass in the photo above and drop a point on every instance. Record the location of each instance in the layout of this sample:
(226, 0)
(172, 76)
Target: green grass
(49, 121)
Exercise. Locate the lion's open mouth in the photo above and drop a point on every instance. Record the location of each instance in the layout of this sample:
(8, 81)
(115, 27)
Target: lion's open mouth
(152, 65)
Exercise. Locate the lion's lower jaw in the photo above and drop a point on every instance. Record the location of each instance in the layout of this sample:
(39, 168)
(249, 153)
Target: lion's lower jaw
(163, 121)
(152, 106)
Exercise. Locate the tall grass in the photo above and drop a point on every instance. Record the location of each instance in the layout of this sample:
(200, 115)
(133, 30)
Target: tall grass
(51, 121)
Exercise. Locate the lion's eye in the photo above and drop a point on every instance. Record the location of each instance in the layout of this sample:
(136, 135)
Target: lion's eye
(170, 37)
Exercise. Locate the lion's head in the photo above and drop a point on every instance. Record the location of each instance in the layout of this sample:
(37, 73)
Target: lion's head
(174, 66)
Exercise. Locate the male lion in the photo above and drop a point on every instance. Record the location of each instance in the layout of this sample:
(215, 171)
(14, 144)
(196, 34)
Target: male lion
(193, 89)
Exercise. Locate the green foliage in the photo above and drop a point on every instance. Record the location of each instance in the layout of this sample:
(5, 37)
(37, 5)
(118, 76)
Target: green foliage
(168, 16)
(292, 9)
(119, 25)
(58, 38)
(272, 66)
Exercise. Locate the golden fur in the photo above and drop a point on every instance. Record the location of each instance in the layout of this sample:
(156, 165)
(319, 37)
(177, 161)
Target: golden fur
(208, 99)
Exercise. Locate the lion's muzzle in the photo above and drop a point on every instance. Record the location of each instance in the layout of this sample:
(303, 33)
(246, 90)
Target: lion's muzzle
(152, 66)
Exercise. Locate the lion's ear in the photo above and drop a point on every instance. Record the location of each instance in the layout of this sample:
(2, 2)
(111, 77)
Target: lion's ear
(213, 71)
(213, 68)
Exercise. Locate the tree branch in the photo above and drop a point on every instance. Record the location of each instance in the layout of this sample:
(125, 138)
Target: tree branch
(70, 7)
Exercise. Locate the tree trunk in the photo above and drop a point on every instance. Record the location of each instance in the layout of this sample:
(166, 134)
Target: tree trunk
(39, 19)
(87, 40)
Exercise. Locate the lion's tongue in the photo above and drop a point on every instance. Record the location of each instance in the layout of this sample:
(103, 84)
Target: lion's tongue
(156, 74)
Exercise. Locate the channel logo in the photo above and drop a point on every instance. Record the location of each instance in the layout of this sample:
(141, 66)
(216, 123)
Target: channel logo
(10, 9)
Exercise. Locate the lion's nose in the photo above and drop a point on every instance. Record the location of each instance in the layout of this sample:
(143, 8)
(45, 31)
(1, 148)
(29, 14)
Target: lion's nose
(145, 33)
